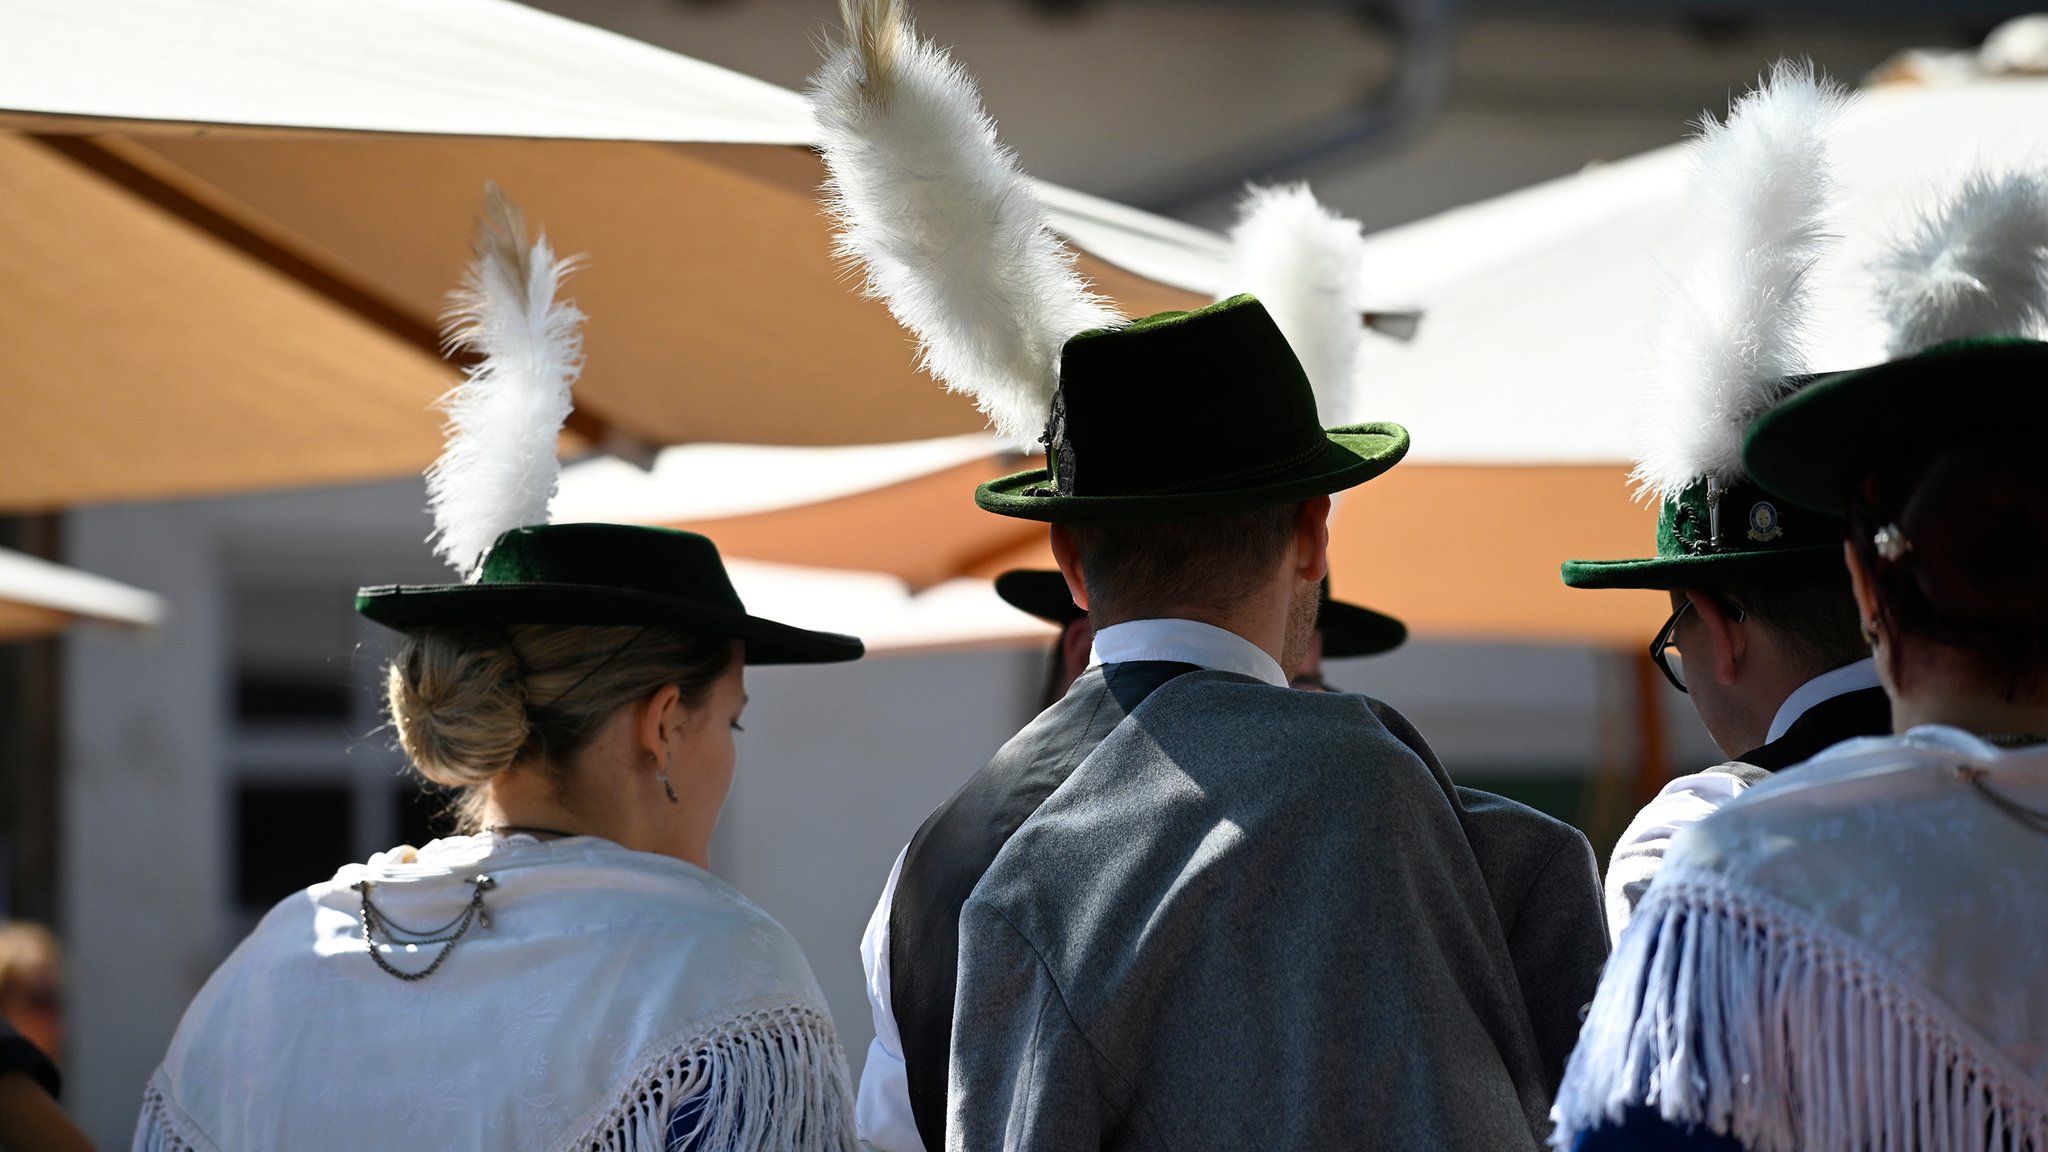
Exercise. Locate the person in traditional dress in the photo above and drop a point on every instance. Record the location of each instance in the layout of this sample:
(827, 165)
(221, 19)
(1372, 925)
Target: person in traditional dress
(1851, 954)
(1762, 635)
(1343, 630)
(1184, 874)
(566, 972)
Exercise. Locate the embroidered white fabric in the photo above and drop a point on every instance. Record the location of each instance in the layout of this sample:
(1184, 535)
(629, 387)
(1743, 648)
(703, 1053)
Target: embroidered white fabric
(1639, 853)
(881, 1114)
(612, 987)
(1848, 956)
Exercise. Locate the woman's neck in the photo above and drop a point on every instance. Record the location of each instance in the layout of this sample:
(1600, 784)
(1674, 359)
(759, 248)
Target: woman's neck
(523, 800)
(1985, 716)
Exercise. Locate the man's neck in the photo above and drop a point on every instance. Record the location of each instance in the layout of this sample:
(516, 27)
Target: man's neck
(1185, 641)
(1248, 622)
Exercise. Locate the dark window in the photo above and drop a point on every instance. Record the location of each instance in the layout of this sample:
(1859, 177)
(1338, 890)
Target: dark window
(292, 645)
(289, 836)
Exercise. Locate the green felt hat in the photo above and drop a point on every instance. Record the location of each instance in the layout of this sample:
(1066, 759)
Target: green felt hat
(604, 574)
(1348, 630)
(1185, 415)
(1712, 533)
(1815, 446)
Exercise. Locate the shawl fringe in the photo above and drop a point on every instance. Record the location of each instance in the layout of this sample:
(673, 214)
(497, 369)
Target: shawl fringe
(1734, 1012)
(771, 1079)
(160, 1129)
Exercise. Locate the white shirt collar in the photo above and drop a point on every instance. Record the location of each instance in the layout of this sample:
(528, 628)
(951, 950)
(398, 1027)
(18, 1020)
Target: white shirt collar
(1185, 642)
(1826, 686)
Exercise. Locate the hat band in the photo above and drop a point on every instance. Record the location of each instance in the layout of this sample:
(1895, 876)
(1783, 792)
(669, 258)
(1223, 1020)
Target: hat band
(1227, 480)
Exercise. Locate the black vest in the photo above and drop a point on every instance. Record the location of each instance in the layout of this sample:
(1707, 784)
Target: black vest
(956, 845)
(1864, 712)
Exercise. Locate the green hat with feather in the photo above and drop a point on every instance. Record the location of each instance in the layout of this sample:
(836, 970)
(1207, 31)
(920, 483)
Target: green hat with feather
(1177, 416)
(1964, 292)
(491, 487)
(1760, 213)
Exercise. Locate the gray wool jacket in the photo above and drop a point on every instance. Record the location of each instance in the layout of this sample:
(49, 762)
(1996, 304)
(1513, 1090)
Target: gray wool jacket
(1255, 917)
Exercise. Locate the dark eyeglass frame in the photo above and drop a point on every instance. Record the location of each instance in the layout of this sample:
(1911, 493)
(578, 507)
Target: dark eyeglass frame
(1668, 635)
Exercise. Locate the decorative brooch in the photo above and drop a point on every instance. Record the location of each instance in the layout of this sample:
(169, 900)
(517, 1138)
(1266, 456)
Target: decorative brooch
(448, 935)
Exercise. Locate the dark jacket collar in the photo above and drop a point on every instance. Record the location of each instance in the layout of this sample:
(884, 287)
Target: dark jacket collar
(1864, 712)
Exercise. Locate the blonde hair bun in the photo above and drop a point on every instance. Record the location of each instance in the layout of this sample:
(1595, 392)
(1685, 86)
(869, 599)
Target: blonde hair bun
(458, 700)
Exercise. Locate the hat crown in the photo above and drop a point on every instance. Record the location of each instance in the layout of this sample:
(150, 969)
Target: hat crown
(1181, 402)
(665, 562)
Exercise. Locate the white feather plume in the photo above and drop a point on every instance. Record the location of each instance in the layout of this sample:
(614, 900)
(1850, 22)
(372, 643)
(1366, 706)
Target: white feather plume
(1760, 207)
(1975, 266)
(944, 224)
(1307, 265)
(499, 469)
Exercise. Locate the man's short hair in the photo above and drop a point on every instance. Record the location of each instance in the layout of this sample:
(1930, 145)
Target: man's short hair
(1813, 616)
(1212, 563)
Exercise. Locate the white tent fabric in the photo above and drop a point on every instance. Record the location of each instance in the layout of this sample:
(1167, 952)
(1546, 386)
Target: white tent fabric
(450, 67)
(37, 583)
(1539, 307)
(886, 614)
(707, 481)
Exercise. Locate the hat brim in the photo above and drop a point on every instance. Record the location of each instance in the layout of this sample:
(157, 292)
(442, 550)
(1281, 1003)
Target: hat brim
(1351, 456)
(409, 606)
(1348, 629)
(1669, 573)
(1039, 593)
(1352, 630)
(1816, 445)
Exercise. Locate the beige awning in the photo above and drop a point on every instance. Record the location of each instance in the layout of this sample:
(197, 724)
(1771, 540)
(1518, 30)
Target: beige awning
(232, 225)
(1458, 552)
(38, 598)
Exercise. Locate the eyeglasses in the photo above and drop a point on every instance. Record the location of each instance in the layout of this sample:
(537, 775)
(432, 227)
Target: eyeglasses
(1664, 649)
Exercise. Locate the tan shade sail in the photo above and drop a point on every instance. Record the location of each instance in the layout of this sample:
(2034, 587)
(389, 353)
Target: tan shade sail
(138, 358)
(1458, 552)
(213, 284)
(195, 315)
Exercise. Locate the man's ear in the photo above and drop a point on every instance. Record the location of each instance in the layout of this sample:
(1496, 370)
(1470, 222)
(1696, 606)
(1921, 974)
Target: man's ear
(1067, 554)
(1729, 640)
(659, 715)
(1312, 540)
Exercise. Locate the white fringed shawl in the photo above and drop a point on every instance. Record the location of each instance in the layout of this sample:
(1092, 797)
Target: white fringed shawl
(612, 988)
(1853, 955)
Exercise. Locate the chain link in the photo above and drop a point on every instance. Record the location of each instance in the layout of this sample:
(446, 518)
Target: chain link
(2031, 818)
(448, 935)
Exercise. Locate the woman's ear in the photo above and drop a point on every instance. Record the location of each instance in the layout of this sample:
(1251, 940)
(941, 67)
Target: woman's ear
(1724, 633)
(660, 716)
(1859, 584)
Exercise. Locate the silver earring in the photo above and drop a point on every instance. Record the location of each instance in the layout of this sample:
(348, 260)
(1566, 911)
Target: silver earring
(666, 786)
(1892, 543)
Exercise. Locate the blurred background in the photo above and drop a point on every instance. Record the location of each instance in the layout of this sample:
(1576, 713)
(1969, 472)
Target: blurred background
(217, 345)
